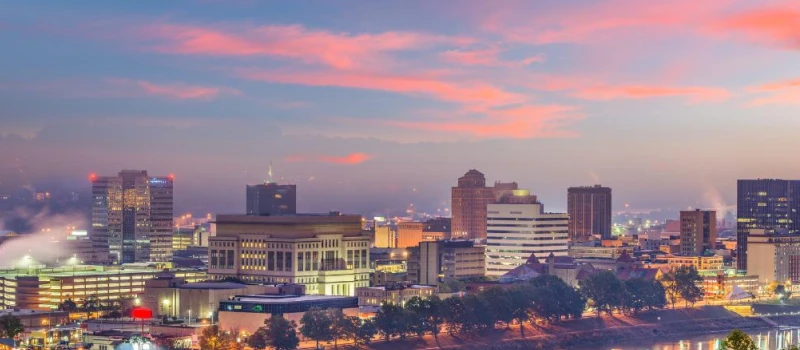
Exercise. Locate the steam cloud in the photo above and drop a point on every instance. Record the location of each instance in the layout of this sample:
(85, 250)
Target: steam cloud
(47, 243)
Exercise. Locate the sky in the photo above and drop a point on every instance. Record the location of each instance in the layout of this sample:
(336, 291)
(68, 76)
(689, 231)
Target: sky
(370, 106)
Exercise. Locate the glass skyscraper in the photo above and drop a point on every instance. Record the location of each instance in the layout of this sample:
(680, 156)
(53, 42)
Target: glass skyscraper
(769, 204)
(132, 216)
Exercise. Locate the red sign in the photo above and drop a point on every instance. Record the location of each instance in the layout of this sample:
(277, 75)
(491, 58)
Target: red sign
(140, 312)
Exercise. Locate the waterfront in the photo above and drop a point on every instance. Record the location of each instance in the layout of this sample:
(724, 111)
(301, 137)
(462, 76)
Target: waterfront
(774, 339)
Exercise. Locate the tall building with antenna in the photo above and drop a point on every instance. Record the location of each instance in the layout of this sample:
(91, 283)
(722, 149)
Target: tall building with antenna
(270, 198)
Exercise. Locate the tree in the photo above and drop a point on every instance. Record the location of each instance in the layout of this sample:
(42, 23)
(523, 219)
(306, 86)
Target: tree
(604, 291)
(738, 340)
(341, 326)
(454, 315)
(501, 304)
(671, 287)
(521, 299)
(281, 333)
(427, 315)
(10, 326)
(365, 332)
(259, 339)
(479, 315)
(68, 305)
(317, 324)
(782, 293)
(389, 321)
(452, 286)
(688, 283)
(568, 301)
(212, 338)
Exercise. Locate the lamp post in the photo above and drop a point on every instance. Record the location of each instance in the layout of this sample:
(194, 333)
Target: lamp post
(188, 322)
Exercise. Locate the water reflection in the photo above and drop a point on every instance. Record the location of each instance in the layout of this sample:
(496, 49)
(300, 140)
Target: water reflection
(776, 339)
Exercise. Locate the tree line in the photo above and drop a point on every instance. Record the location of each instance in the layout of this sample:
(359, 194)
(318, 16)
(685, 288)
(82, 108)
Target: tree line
(544, 299)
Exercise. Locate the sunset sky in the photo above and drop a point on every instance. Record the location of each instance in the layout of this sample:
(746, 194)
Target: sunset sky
(374, 105)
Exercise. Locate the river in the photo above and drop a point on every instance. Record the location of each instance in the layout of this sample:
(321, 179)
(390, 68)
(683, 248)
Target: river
(775, 339)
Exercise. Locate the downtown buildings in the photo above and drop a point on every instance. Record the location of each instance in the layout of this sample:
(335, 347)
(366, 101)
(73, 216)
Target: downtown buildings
(270, 198)
(327, 253)
(468, 204)
(589, 210)
(698, 232)
(768, 206)
(132, 217)
(518, 227)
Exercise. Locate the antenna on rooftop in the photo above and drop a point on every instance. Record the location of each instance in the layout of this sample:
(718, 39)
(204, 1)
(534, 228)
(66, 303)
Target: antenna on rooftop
(269, 173)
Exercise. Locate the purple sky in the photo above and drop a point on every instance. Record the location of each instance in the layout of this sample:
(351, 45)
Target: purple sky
(375, 105)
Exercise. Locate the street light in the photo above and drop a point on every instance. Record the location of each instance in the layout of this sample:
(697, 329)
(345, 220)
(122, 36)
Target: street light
(190, 317)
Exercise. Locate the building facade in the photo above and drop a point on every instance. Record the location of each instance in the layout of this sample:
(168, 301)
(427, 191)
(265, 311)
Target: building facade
(371, 298)
(698, 231)
(385, 237)
(701, 263)
(770, 205)
(132, 216)
(45, 288)
(589, 210)
(248, 312)
(270, 198)
(409, 234)
(773, 257)
(326, 253)
(515, 231)
(434, 262)
(468, 206)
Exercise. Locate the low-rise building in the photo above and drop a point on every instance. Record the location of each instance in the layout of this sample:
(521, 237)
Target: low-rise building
(719, 284)
(709, 262)
(433, 262)
(168, 295)
(248, 312)
(44, 288)
(370, 299)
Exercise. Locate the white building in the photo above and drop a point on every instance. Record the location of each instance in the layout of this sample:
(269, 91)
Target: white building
(514, 231)
(327, 253)
(773, 257)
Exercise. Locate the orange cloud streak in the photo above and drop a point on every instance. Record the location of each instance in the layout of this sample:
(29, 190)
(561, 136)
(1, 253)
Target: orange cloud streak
(177, 91)
(485, 57)
(425, 84)
(350, 159)
(338, 50)
(779, 93)
(526, 121)
(772, 26)
(693, 93)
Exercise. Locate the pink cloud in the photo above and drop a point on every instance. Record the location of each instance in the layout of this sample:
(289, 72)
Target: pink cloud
(338, 50)
(175, 91)
(771, 26)
(578, 24)
(485, 57)
(525, 121)
(692, 93)
(427, 84)
(349, 159)
(778, 93)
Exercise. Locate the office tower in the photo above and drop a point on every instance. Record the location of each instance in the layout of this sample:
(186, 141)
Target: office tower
(515, 231)
(434, 262)
(468, 206)
(327, 253)
(409, 234)
(270, 198)
(770, 205)
(385, 236)
(132, 216)
(698, 231)
(589, 209)
(773, 258)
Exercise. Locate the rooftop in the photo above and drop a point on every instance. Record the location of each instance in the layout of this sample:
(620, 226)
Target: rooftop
(283, 299)
(213, 285)
(28, 312)
(412, 286)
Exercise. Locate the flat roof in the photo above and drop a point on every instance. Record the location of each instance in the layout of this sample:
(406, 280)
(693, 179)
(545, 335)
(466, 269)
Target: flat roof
(29, 312)
(212, 285)
(283, 299)
(413, 286)
(287, 219)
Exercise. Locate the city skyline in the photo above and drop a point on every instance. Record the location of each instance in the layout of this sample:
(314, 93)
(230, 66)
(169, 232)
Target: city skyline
(349, 106)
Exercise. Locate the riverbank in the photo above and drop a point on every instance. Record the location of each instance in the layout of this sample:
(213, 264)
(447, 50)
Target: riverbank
(603, 331)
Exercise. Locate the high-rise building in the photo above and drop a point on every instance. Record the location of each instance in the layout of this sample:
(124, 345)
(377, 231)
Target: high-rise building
(327, 253)
(698, 231)
(132, 216)
(589, 209)
(515, 231)
(770, 205)
(468, 206)
(270, 198)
